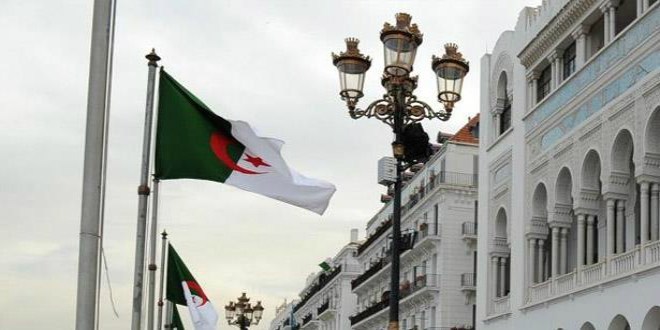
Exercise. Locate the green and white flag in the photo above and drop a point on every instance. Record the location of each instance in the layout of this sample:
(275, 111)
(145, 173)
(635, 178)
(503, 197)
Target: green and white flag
(183, 289)
(192, 142)
(176, 319)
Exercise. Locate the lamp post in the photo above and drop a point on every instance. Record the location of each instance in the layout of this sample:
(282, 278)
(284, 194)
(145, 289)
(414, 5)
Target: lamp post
(242, 314)
(399, 107)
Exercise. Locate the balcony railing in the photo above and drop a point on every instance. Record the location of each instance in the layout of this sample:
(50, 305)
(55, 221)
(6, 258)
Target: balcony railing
(406, 289)
(469, 228)
(307, 318)
(324, 307)
(407, 243)
(626, 263)
(500, 305)
(371, 310)
(468, 280)
(444, 177)
(320, 284)
(428, 229)
(422, 281)
(379, 232)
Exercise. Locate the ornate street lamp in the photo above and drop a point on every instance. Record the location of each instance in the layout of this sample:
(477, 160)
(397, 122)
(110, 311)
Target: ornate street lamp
(399, 107)
(242, 314)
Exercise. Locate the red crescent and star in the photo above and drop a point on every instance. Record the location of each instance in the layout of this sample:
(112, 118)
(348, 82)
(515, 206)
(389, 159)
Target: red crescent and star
(219, 144)
(196, 290)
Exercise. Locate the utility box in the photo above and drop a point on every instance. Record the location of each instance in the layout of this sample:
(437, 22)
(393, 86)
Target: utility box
(387, 171)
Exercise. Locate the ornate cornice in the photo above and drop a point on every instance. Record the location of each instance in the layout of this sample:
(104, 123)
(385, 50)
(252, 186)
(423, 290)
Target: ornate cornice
(553, 31)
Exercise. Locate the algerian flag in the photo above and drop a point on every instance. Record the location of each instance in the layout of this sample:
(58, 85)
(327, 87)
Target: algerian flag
(326, 265)
(183, 289)
(194, 143)
(176, 319)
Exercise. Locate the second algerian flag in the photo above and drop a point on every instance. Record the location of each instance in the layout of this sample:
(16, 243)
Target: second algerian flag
(194, 143)
(183, 289)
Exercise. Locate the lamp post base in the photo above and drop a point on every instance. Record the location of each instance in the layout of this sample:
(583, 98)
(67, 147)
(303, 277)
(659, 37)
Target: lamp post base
(394, 325)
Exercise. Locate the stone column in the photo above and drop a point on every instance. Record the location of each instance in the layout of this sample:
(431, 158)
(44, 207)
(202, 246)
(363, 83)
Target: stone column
(563, 250)
(610, 227)
(580, 240)
(644, 212)
(606, 23)
(532, 79)
(493, 275)
(541, 260)
(612, 11)
(531, 261)
(646, 5)
(620, 223)
(535, 89)
(640, 7)
(502, 276)
(554, 255)
(580, 36)
(591, 219)
(655, 214)
(553, 69)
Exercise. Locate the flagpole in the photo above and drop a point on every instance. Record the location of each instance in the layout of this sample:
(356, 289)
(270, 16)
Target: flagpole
(168, 314)
(162, 279)
(152, 256)
(143, 196)
(95, 137)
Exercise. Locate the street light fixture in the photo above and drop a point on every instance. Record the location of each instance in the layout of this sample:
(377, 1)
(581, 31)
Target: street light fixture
(242, 314)
(399, 107)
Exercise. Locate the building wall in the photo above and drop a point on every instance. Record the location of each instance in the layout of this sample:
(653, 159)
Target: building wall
(440, 259)
(568, 155)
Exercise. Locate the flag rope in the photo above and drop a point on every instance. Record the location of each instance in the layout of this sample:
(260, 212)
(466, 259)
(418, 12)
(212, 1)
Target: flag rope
(107, 278)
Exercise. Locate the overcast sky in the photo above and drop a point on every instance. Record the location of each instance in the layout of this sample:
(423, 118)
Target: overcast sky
(265, 62)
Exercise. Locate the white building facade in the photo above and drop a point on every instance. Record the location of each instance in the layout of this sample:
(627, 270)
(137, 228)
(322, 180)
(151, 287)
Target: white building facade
(282, 319)
(570, 163)
(437, 288)
(326, 300)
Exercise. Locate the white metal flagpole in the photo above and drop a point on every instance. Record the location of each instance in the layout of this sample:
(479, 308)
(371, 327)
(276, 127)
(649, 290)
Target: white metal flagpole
(153, 234)
(143, 196)
(163, 253)
(95, 136)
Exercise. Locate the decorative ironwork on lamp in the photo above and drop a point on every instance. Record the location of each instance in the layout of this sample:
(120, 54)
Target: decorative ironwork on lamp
(399, 108)
(242, 313)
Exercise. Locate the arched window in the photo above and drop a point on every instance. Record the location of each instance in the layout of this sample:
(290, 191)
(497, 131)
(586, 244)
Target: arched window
(503, 103)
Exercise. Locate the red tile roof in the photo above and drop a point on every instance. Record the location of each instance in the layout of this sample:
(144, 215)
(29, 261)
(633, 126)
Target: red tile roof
(464, 135)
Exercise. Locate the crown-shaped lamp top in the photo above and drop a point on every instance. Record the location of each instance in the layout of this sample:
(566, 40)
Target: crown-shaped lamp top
(403, 24)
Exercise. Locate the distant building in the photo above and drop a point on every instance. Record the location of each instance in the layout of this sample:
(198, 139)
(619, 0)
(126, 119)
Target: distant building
(570, 169)
(326, 300)
(437, 286)
(282, 320)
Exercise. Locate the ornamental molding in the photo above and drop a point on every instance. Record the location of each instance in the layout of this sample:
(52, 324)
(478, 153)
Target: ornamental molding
(563, 22)
(563, 149)
(591, 130)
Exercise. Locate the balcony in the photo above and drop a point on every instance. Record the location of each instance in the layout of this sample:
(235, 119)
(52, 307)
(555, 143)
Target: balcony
(469, 231)
(382, 228)
(468, 281)
(407, 243)
(442, 178)
(325, 311)
(622, 265)
(369, 311)
(320, 284)
(410, 294)
(307, 318)
(408, 291)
